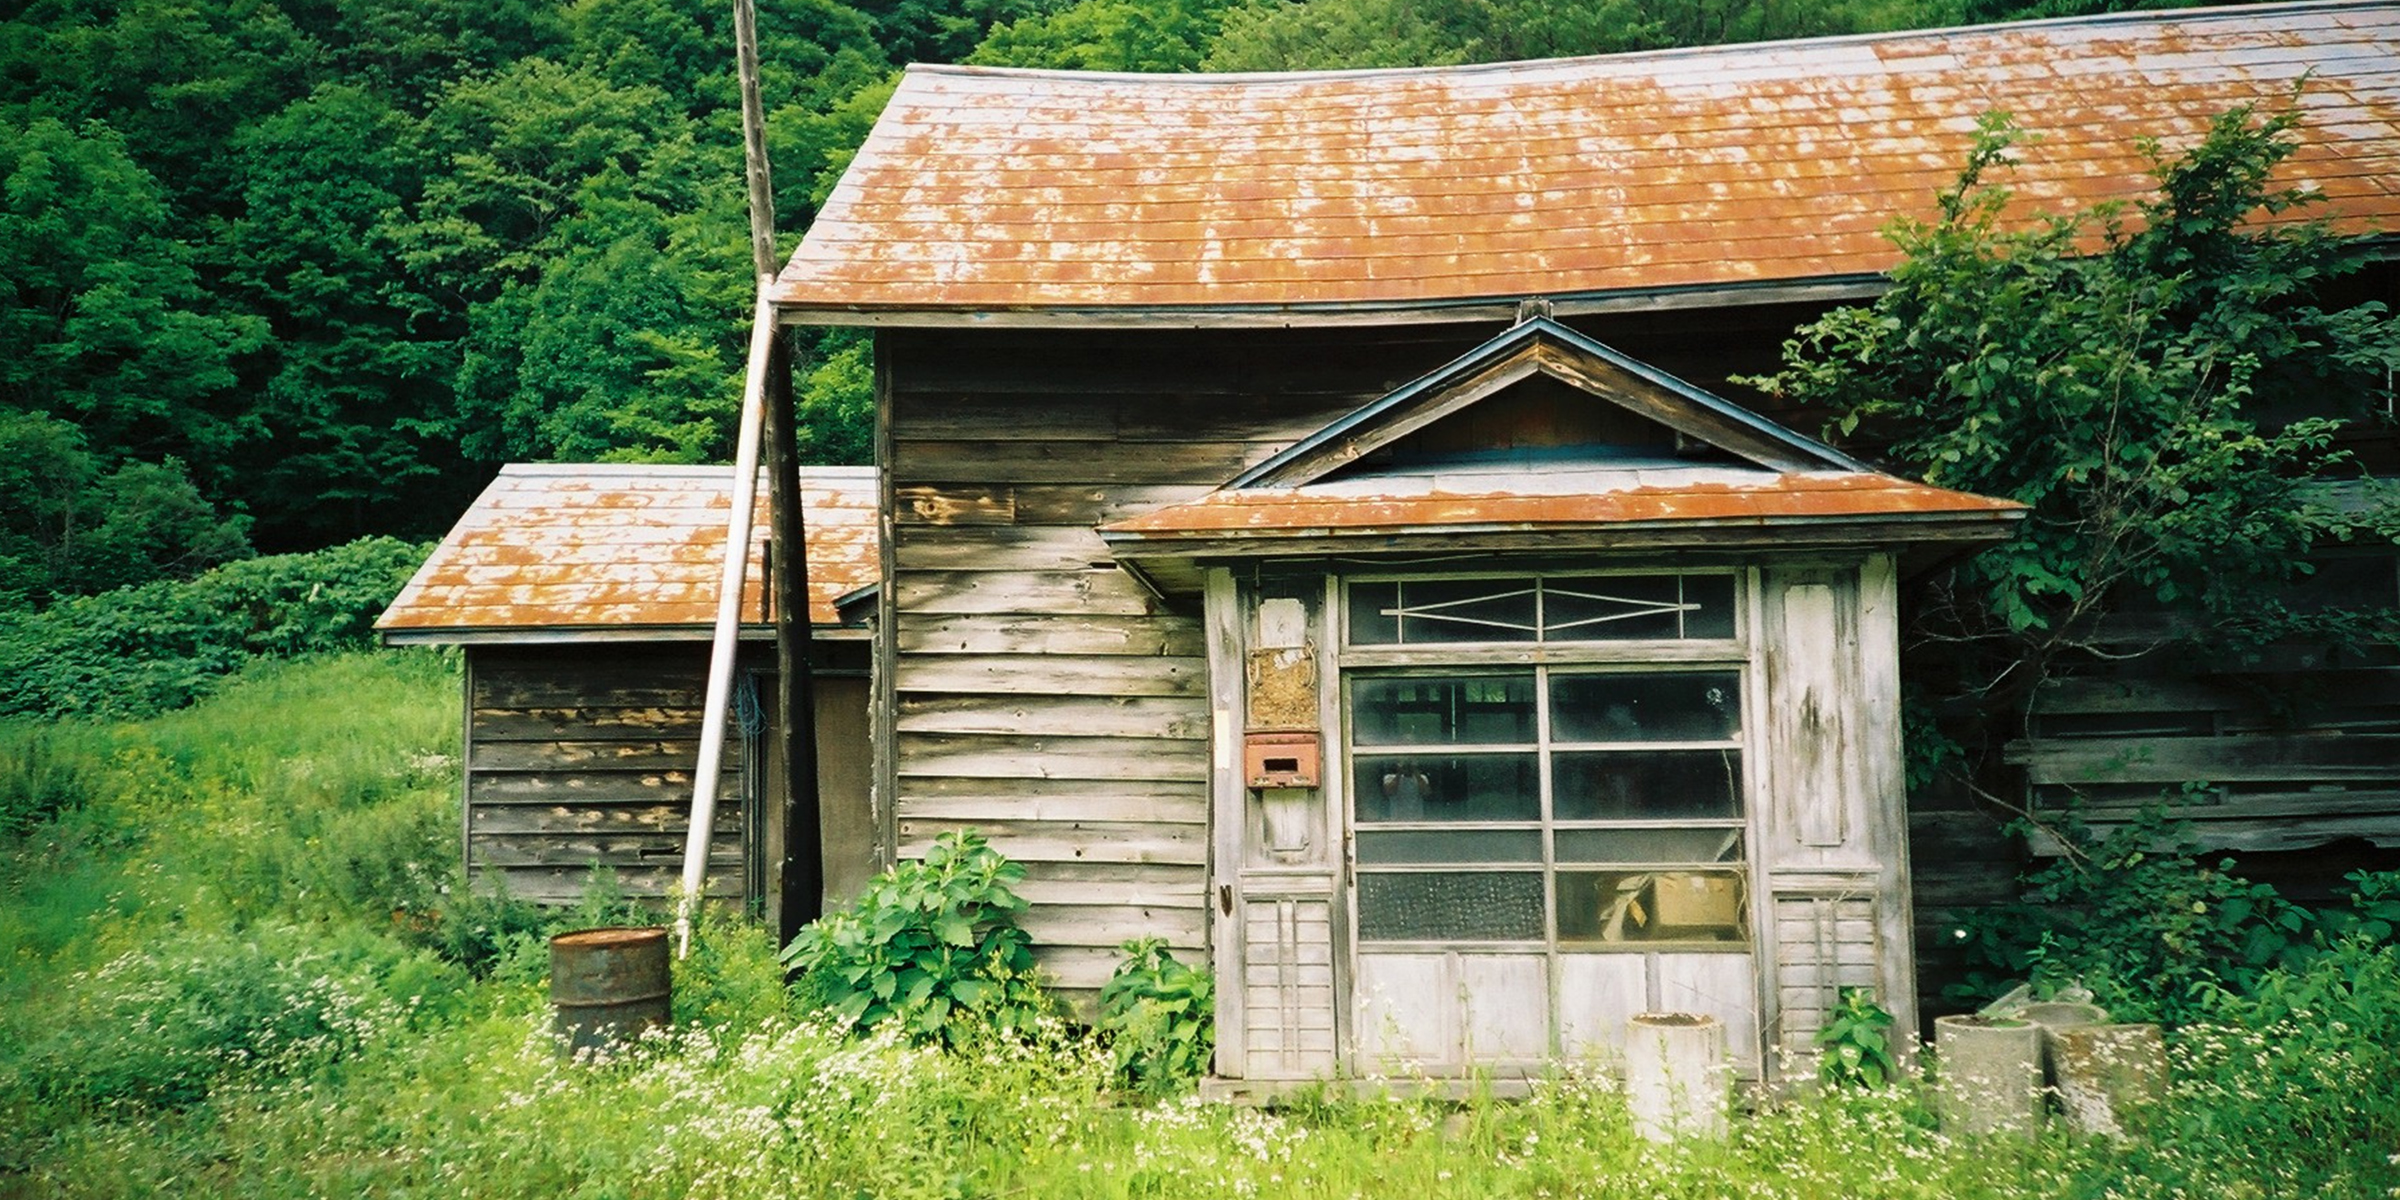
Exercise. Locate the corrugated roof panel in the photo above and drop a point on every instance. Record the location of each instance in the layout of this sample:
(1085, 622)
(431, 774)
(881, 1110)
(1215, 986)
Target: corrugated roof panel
(568, 547)
(983, 188)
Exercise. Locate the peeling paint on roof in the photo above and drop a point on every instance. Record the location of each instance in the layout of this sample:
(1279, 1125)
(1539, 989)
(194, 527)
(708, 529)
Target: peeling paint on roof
(560, 547)
(1435, 503)
(994, 189)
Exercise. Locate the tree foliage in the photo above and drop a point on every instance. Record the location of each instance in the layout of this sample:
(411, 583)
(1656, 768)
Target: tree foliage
(2131, 374)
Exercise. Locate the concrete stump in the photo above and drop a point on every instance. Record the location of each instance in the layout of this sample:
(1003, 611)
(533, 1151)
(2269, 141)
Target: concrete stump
(2109, 1076)
(1991, 1074)
(1676, 1075)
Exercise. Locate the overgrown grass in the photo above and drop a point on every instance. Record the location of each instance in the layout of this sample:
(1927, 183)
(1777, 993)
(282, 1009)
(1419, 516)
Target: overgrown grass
(234, 969)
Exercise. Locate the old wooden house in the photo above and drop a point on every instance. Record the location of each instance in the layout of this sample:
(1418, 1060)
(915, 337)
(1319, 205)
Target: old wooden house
(582, 595)
(1319, 530)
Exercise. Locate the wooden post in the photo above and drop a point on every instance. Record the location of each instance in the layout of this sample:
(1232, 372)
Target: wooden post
(802, 873)
(754, 141)
(728, 622)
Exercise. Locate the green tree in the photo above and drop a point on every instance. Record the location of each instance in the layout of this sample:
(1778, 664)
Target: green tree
(71, 524)
(1289, 35)
(104, 320)
(2114, 370)
(1108, 35)
(358, 369)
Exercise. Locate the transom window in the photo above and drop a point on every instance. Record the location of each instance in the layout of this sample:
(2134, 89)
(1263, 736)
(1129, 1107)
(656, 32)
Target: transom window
(1542, 608)
(1588, 807)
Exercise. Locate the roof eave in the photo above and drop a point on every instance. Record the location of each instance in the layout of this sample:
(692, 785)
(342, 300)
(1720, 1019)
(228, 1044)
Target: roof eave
(553, 634)
(797, 307)
(1769, 533)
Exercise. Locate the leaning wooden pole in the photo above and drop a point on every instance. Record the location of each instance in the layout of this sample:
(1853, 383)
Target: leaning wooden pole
(761, 363)
(729, 623)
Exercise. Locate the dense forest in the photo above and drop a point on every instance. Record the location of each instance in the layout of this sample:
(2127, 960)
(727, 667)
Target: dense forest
(275, 274)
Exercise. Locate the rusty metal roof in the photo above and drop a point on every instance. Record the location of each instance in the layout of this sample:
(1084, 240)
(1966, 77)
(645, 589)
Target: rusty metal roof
(1074, 194)
(622, 550)
(1393, 505)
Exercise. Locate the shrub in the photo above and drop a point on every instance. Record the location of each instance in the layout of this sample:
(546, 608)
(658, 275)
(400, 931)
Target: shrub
(36, 782)
(1158, 1016)
(932, 946)
(2142, 926)
(158, 646)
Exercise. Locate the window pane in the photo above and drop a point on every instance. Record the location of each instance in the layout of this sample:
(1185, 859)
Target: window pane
(1450, 846)
(1475, 906)
(1371, 622)
(1647, 785)
(1624, 607)
(1442, 710)
(1458, 787)
(1467, 610)
(1650, 845)
(1611, 608)
(1651, 906)
(1710, 606)
(1694, 706)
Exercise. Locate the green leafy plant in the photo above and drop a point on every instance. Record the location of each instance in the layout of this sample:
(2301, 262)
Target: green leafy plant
(1158, 1016)
(932, 946)
(158, 646)
(2158, 382)
(1856, 1043)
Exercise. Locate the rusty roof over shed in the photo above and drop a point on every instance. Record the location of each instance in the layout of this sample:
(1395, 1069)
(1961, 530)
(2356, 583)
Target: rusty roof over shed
(1078, 196)
(622, 550)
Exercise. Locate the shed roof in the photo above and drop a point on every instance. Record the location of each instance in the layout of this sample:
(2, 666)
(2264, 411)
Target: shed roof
(1081, 197)
(617, 550)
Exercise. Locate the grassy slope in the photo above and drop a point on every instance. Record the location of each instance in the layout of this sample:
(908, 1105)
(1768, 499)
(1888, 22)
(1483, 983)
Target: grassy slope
(221, 981)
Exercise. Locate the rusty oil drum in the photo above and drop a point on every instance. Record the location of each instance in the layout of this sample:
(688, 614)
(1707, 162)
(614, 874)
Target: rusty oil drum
(608, 985)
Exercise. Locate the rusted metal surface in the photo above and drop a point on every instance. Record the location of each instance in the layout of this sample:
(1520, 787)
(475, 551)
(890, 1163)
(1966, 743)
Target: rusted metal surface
(984, 189)
(608, 985)
(1685, 495)
(614, 546)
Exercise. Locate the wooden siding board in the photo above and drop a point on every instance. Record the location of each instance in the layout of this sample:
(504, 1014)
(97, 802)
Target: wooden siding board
(1092, 716)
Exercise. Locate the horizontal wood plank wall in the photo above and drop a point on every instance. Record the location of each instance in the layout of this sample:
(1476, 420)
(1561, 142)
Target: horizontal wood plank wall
(581, 756)
(1041, 696)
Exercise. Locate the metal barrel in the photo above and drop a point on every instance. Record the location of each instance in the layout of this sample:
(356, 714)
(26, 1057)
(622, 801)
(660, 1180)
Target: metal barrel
(608, 985)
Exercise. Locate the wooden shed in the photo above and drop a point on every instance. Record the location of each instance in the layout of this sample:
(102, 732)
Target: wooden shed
(1316, 534)
(582, 595)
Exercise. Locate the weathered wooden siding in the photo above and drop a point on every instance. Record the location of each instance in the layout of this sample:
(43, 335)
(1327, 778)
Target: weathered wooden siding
(1040, 695)
(581, 756)
(2293, 747)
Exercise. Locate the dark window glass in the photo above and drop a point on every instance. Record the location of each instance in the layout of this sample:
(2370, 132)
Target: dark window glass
(1371, 619)
(1632, 785)
(1453, 787)
(1450, 845)
(1468, 906)
(1710, 598)
(1611, 608)
(1442, 710)
(1689, 706)
(1467, 610)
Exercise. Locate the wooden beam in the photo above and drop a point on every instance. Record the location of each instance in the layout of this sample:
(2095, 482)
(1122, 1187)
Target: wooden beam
(801, 874)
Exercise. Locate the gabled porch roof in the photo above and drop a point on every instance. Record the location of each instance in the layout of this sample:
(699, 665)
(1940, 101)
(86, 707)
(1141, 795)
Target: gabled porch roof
(1735, 480)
